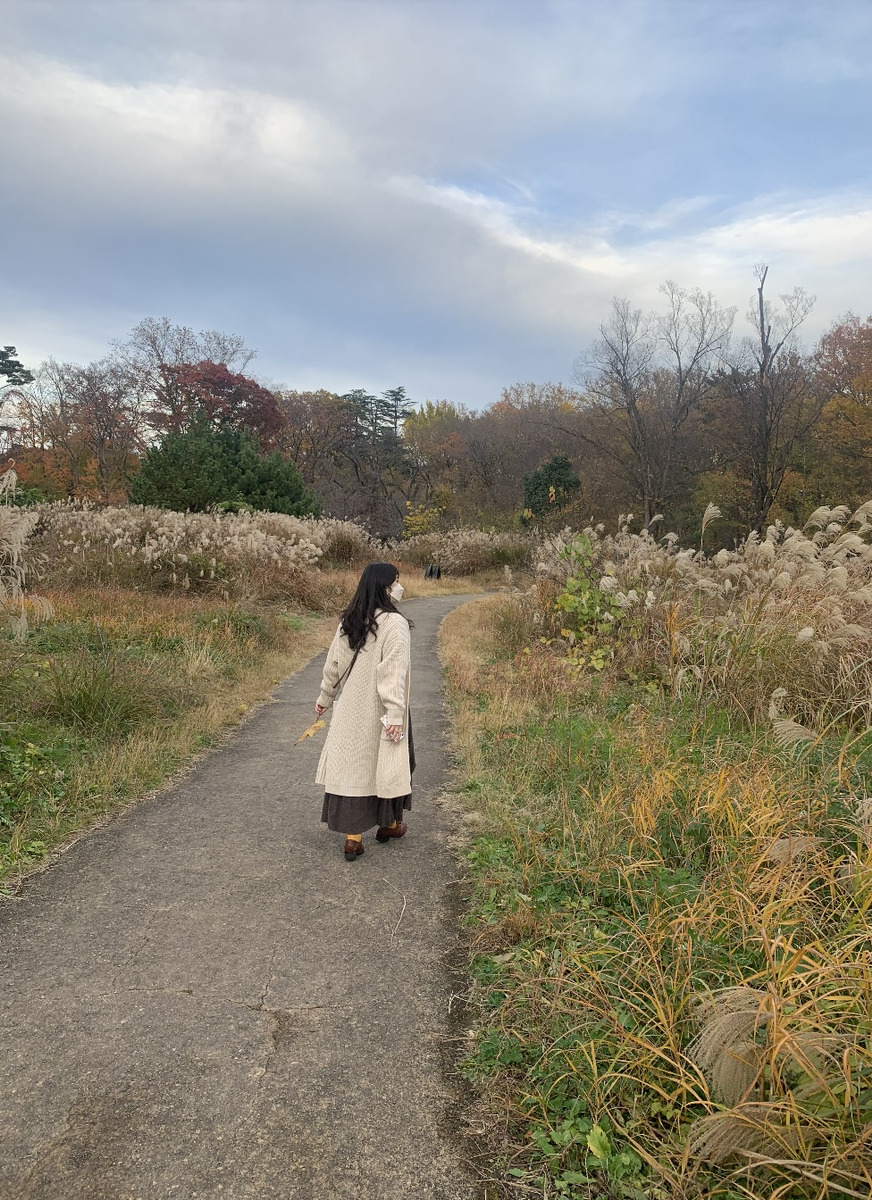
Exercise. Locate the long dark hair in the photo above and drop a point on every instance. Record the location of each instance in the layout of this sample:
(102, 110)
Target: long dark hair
(371, 597)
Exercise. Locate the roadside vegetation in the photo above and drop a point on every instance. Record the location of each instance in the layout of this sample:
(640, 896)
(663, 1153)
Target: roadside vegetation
(666, 763)
(132, 637)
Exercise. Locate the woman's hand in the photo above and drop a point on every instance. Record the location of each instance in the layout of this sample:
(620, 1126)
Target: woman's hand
(394, 732)
(320, 710)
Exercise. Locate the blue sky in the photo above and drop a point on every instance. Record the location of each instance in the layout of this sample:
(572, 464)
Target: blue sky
(444, 195)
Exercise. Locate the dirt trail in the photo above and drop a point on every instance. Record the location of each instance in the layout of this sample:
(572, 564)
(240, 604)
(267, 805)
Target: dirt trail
(203, 999)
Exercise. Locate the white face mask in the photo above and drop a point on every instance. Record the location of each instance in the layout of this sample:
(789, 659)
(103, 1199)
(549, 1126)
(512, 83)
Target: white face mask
(396, 590)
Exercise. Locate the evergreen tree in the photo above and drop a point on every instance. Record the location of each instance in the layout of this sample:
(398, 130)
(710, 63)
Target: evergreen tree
(12, 372)
(202, 467)
(551, 487)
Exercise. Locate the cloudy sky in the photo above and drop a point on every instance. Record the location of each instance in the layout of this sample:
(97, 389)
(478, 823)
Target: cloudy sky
(439, 194)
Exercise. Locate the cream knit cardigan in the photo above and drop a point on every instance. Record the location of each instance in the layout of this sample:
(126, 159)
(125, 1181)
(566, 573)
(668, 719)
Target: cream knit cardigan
(359, 759)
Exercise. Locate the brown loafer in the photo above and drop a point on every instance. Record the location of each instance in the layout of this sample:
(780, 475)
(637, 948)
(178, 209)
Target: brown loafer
(386, 833)
(353, 849)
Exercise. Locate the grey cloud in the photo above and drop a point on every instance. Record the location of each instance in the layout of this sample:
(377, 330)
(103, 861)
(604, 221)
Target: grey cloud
(316, 177)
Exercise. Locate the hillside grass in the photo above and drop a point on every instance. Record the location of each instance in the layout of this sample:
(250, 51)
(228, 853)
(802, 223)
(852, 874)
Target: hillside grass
(670, 930)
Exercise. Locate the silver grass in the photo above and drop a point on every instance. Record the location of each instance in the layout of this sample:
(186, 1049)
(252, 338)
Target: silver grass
(811, 1052)
(8, 485)
(798, 546)
(748, 1129)
(791, 733)
(819, 518)
(848, 634)
(847, 543)
(736, 1070)
(712, 512)
(728, 1019)
(787, 850)
(18, 626)
(15, 528)
(863, 513)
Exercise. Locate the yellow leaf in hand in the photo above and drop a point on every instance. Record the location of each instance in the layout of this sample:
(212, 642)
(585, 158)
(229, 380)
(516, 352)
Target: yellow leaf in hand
(314, 728)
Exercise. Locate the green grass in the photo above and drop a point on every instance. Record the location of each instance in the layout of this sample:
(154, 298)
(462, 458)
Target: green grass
(622, 874)
(117, 690)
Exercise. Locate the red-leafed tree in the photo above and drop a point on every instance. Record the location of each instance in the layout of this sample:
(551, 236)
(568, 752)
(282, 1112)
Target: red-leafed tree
(227, 401)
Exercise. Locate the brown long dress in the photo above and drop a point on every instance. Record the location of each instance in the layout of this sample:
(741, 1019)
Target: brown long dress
(356, 814)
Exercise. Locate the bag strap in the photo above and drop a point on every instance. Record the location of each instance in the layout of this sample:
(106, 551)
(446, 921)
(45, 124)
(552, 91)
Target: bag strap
(344, 676)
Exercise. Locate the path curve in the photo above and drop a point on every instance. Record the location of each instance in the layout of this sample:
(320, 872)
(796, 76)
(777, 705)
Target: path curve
(203, 999)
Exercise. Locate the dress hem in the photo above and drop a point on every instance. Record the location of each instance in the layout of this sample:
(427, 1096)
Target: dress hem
(357, 814)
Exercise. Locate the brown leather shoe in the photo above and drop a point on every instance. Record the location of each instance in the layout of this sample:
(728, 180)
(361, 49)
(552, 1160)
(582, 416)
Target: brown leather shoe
(386, 833)
(353, 849)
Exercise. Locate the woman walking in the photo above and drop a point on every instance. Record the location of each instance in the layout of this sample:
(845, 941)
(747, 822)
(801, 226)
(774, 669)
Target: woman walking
(367, 762)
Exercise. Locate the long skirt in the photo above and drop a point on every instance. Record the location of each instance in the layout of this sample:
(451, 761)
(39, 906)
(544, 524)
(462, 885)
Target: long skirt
(356, 814)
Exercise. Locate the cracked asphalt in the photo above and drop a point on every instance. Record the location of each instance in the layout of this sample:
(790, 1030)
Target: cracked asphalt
(203, 999)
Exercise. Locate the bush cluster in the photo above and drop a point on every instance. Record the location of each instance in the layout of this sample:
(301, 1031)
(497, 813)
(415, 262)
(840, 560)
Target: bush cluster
(467, 551)
(265, 556)
(782, 621)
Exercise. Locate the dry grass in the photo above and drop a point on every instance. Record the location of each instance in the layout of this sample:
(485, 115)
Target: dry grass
(672, 932)
(788, 617)
(116, 691)
(113, 689)
(469, 551)
(251, 557)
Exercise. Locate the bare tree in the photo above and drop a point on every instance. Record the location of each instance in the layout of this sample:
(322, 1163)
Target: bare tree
(774, 385)
(46, 413)
(644, 378)
(109, 421)
(156, 349)
(90, 419)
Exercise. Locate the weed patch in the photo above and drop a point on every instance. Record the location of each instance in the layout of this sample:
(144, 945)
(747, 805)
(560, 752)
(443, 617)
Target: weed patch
(672, 958)
(117, 690)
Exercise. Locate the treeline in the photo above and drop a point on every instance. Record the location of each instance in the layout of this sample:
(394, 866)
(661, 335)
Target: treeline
(668, 411)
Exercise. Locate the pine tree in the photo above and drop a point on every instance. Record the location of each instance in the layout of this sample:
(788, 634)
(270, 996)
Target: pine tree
(204, 467)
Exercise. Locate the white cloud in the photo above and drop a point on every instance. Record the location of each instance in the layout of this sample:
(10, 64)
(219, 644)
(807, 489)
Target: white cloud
(369, 183)
(823, 244)
(163, 136)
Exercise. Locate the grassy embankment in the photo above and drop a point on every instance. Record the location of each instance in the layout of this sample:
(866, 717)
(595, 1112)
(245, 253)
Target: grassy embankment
(117, 690)
(147, 636)
(672, 883)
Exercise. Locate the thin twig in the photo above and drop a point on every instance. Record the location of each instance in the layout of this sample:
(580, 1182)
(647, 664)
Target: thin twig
(402, 911)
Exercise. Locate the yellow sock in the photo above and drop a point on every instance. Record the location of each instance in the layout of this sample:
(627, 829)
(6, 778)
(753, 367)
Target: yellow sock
(354, 837)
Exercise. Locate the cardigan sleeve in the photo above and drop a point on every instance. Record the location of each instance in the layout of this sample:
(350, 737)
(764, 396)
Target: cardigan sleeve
(331, 676)
(393, 669)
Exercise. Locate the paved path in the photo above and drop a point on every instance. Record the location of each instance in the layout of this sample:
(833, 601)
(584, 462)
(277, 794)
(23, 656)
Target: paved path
(203, 999)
